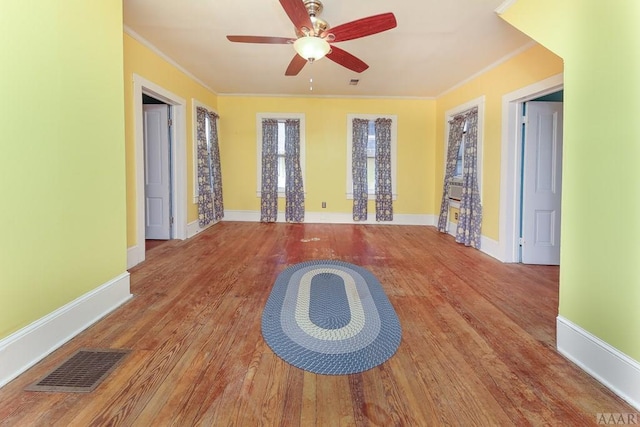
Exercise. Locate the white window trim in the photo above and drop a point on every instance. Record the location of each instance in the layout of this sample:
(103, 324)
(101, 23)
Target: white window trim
(278, 116)
(394, 150)
(194, 111)
(448, 116)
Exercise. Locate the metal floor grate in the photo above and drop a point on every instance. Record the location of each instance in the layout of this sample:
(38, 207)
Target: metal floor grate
(82, 372)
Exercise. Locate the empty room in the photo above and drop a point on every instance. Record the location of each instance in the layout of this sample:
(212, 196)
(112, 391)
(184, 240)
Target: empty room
(303, 212)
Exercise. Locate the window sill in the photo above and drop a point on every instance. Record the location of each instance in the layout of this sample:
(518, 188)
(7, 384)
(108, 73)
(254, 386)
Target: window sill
(372, 196)
(281, 194)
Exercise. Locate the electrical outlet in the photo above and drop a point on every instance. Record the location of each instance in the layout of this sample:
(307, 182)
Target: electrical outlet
(455, 215)
(324, 205)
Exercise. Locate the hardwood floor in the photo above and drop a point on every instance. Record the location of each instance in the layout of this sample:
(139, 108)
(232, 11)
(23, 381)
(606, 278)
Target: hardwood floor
(478, 344)
(152, 244)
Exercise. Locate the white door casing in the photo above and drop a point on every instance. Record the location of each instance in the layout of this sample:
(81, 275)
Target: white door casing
(156, 172)
(136, 253)
(542, 183)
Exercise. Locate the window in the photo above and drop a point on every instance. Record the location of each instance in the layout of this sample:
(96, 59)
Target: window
(371, 152)
(207, 123)
(371, 157)
(460, 159)
(196, 105)
(282, 176)
(449, 115)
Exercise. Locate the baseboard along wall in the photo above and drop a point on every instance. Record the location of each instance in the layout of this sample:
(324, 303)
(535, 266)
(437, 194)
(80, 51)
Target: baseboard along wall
(26, 347)
(614, 369)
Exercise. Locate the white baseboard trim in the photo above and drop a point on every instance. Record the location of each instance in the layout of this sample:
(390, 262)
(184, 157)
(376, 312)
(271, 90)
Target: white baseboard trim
(194, 228)
(243, 216)
(135, 255)
(26, 347)
(487, 245)
(614, 369)
(333, 218)
(490, 247)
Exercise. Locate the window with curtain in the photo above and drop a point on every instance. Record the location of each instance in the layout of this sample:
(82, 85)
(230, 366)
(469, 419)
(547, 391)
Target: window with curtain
(208, 171)
(457, 175)
(462, 167)
(280, 148)
(371, 164)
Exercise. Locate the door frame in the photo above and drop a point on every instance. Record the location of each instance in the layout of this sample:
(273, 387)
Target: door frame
(178, 163)
(511, 162)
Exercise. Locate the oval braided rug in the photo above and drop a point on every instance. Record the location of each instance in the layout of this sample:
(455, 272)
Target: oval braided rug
(330, 317)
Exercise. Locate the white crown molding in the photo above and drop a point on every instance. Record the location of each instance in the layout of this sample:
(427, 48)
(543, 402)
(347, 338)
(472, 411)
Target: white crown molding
(488, 68)
(277, 95)
(504, 6)
(162, 55)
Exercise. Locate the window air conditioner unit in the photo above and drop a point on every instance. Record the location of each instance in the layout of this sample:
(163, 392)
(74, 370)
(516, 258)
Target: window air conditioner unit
(455, 189)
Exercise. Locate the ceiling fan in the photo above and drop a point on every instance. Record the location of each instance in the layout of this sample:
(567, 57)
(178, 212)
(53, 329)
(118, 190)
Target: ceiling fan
(314, 36)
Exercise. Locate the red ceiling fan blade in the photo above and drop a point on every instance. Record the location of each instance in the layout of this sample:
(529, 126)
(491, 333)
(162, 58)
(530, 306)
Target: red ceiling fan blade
(297, 13)
(295, 66)
(363, 27)
(261, 39)
(346, 59)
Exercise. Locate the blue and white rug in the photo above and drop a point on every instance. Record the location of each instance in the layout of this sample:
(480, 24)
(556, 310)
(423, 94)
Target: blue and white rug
(330, 317)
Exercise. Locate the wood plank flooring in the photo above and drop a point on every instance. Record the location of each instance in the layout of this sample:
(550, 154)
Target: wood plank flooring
(478, 344)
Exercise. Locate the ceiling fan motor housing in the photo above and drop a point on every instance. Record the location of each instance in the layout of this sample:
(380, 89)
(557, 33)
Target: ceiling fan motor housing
(314, 8)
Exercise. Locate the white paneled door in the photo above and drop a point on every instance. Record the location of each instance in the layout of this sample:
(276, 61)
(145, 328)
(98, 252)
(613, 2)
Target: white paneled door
(542, 183)
(156, 172)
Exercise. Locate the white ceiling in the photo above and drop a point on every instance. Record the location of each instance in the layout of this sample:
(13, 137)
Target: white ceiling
(437, 45)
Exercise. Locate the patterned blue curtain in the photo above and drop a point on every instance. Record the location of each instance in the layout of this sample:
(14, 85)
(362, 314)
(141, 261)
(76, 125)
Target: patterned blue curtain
(384, 189)
(294, 189)
(470, 218)
(216, 172)
(360, 134)
(205, 195)
(269, 190)
(456, 131)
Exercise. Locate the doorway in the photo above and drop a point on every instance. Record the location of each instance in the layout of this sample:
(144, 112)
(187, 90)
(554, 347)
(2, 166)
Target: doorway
(178, 161)
(541, 186)
(512, 157)
(157, 166)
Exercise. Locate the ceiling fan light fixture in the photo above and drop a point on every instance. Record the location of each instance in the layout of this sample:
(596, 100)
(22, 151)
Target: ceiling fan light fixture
(311, 48)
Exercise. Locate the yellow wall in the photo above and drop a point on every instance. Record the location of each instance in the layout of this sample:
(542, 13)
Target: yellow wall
(140, 60)
(533, 65)
(421, 130)
(326, 152)
(61, 154)
(600, 274)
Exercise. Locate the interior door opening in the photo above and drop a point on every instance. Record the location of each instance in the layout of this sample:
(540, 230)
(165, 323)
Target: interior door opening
(157, 171)
(540, 187)
(136, 252)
